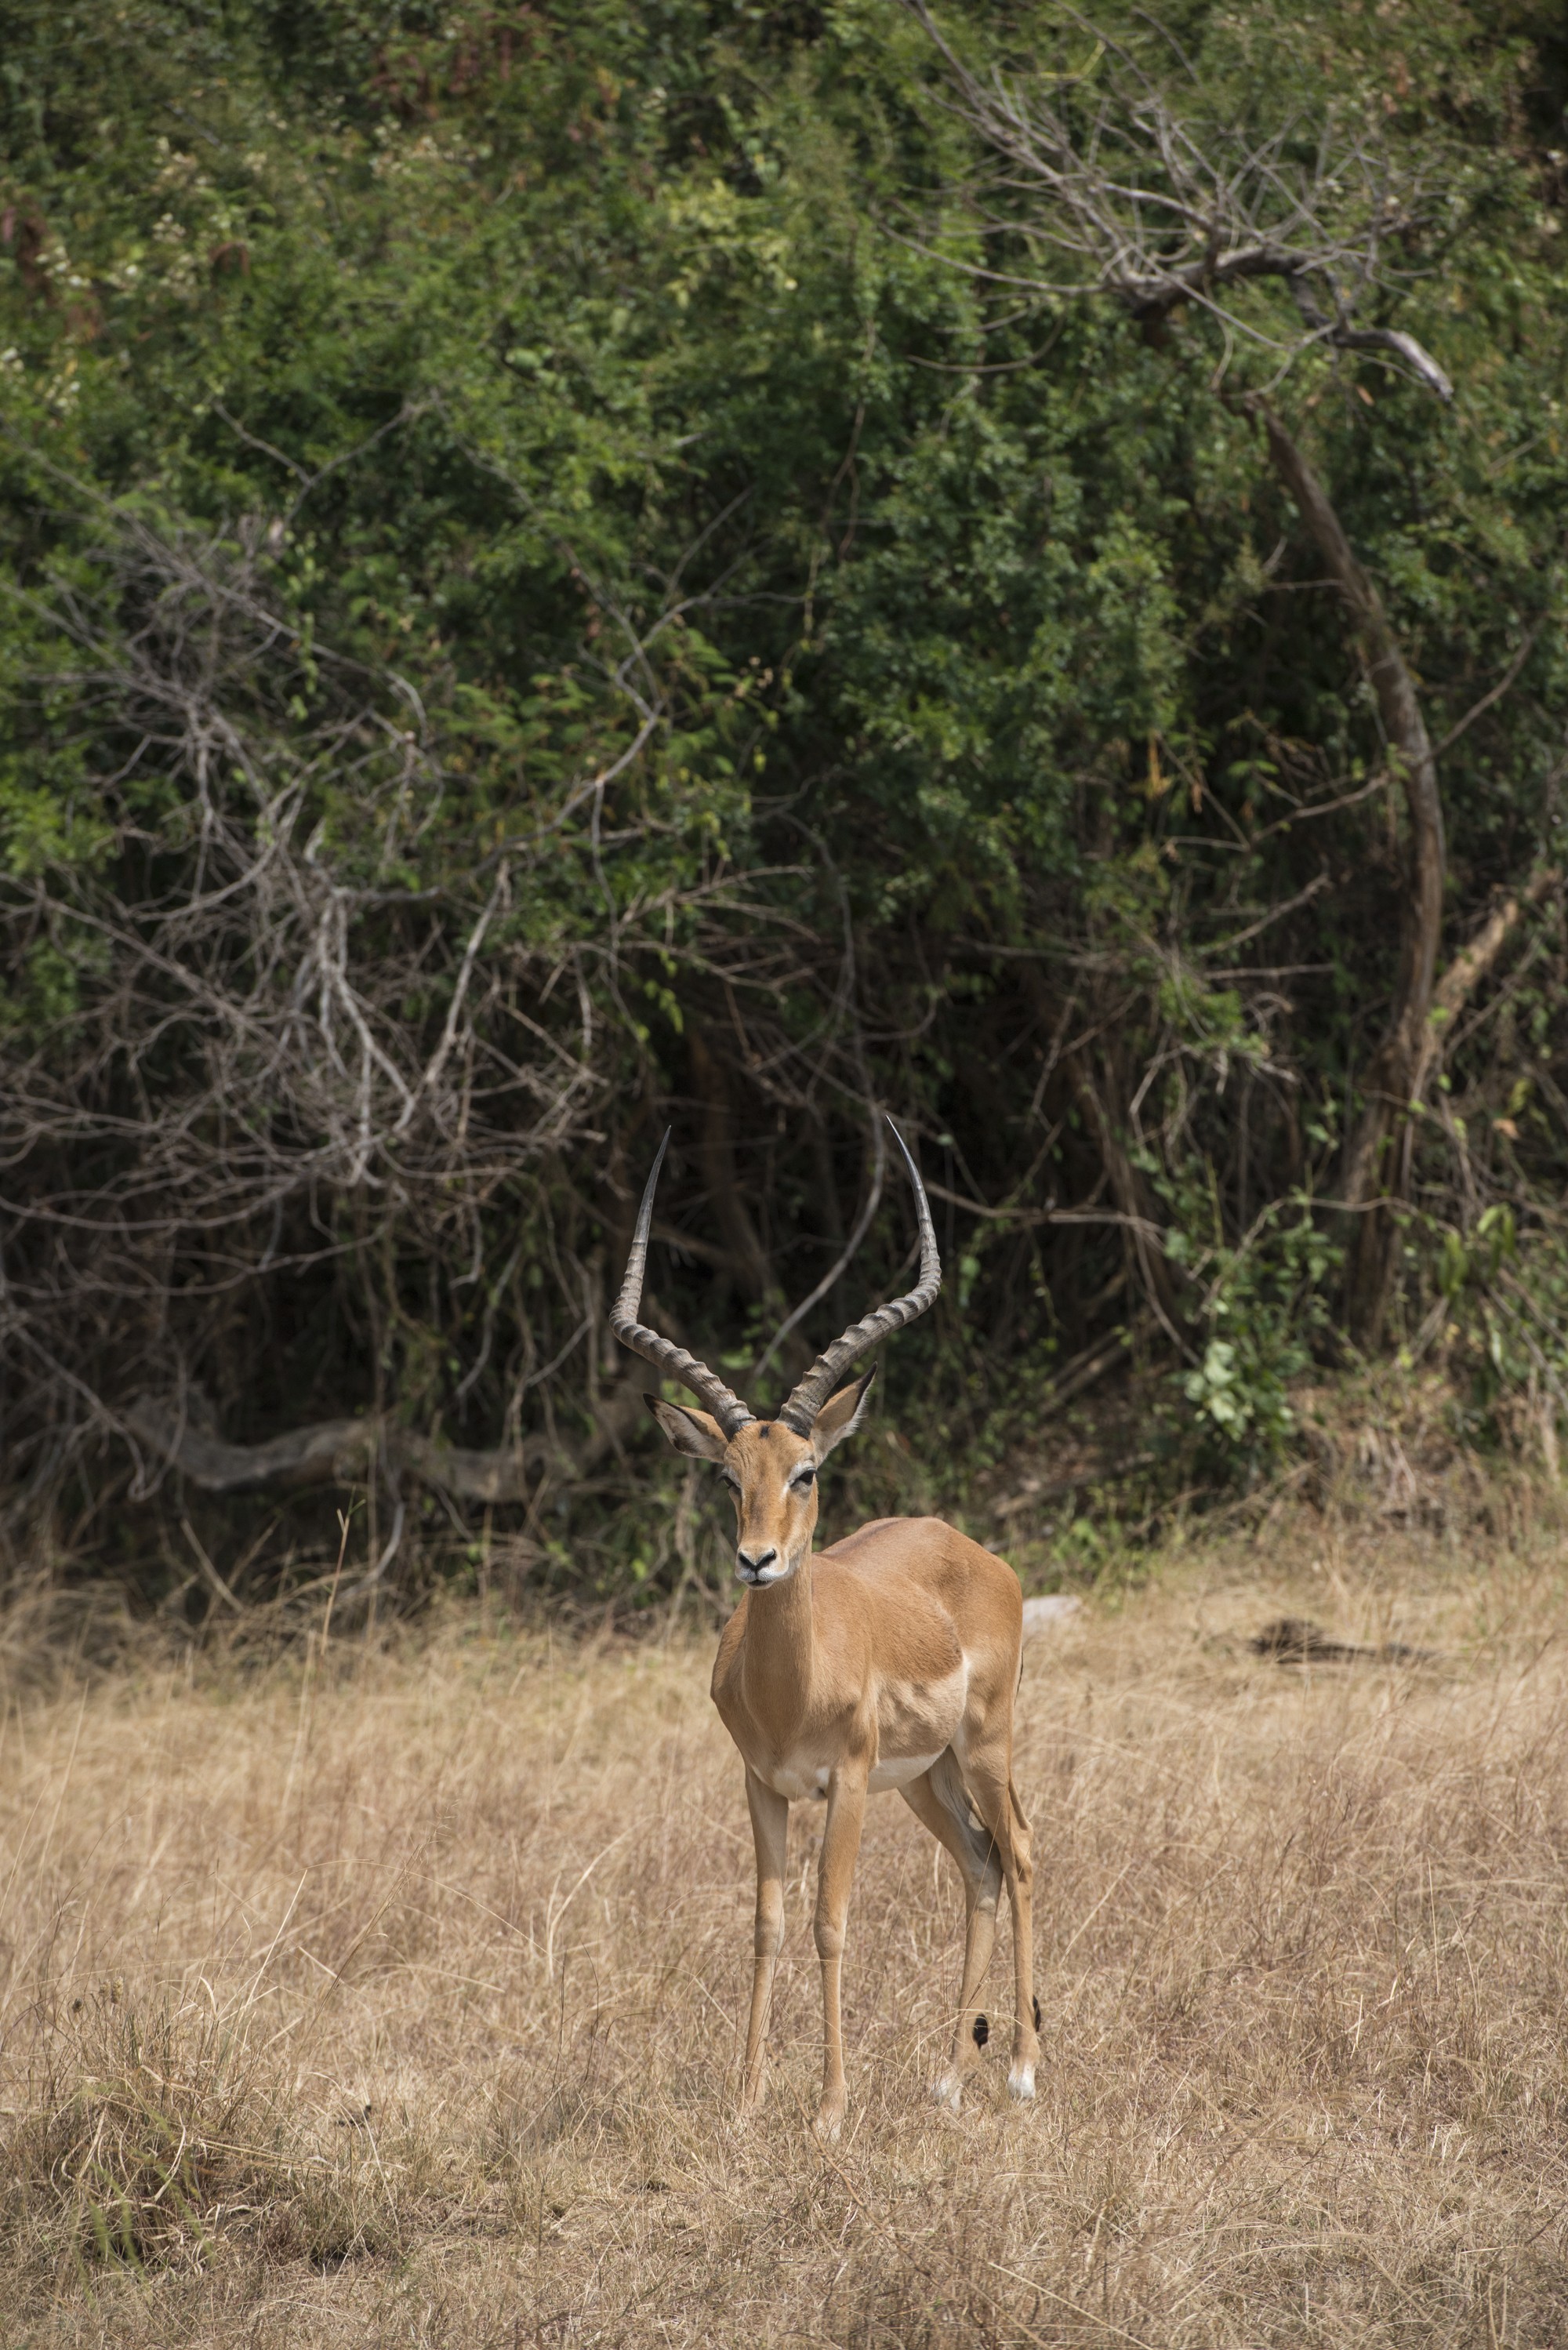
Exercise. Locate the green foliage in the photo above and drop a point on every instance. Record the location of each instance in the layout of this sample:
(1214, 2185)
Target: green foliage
(1266, 1305)
(690, 625)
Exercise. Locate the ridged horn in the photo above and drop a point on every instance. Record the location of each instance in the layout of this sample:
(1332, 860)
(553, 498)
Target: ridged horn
(708, 1388)
(825, 1374)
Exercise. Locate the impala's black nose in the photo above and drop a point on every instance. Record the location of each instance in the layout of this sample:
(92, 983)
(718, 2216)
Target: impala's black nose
(751, 1569)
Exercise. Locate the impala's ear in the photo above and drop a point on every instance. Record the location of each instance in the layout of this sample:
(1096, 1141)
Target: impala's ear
(692, 1432)
(841, 1415)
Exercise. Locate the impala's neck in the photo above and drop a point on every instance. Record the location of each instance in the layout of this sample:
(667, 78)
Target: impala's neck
(778, 1656)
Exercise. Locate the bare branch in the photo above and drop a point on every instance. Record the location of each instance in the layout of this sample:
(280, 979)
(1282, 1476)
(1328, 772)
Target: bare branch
(1161, 213)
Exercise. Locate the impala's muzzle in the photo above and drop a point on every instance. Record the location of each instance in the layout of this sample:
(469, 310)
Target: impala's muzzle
(766, 1568)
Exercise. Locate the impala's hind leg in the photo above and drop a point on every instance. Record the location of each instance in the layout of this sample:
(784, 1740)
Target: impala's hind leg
(938, 1800)
(988, 1776)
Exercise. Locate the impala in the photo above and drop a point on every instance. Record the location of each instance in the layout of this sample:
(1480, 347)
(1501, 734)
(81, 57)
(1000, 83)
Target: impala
(889, 1659)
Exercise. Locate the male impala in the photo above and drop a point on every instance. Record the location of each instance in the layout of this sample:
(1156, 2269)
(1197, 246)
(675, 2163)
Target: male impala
(889, 1659)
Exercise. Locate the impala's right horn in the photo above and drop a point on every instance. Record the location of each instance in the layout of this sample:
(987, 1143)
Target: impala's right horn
(800, 1412)
(707, 1385)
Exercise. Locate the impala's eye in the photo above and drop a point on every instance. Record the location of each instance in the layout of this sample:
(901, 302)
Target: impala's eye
(802, 1481)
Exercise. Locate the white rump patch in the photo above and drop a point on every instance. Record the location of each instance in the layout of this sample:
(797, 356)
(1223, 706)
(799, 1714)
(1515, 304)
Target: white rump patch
(1039, 1613)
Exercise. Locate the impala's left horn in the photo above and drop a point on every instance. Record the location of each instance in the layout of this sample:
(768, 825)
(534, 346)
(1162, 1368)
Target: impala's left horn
(707, 1385)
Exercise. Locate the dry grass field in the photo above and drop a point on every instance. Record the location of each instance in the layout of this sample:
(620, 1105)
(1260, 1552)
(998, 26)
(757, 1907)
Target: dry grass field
(392, 1997)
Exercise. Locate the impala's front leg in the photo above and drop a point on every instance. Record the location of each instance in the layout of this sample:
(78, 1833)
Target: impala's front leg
(770, 1832)
(840, 1847)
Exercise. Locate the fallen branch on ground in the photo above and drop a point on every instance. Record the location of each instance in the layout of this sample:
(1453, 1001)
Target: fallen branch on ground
(1291, 1640)
(354, 1452)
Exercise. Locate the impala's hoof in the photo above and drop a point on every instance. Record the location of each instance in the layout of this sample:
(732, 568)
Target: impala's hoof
(827, 2125)
(948, 2092)
(1021, 2082)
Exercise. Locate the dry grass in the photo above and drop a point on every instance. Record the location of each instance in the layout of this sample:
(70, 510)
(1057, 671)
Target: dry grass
(394, 1999)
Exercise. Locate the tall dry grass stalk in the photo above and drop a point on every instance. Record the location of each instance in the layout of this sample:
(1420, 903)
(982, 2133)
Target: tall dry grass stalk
(393, 1998)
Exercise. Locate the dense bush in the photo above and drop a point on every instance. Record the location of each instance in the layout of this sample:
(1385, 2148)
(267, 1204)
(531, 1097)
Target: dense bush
(546, 594)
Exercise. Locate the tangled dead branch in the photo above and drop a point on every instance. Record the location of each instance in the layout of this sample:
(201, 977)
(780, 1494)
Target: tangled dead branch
(253, 1046)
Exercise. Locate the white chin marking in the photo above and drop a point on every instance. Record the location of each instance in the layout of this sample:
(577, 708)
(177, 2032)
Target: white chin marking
(1021, 2084)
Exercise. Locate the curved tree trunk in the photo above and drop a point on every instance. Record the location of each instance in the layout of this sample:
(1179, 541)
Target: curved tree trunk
(1375, 1167)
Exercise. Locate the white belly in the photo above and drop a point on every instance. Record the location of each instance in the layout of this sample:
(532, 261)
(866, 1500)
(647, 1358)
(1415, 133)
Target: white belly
(899, 1774)
(800, 1783)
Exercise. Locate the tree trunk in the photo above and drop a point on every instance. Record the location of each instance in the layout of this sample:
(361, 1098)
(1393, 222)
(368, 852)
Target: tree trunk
(1471, 965)
(1391, 1083)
